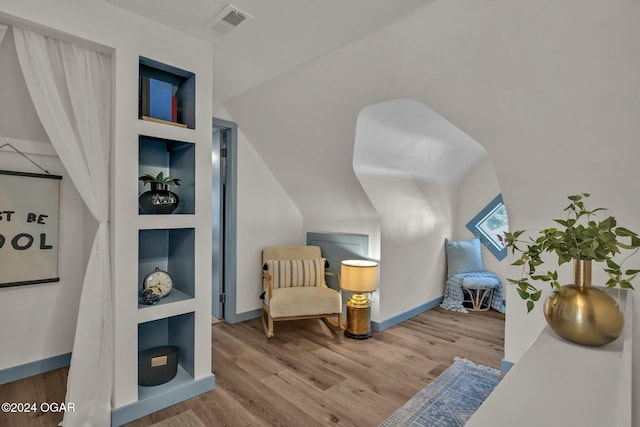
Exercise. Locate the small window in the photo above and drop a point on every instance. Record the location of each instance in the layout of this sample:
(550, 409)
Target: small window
(490, 223)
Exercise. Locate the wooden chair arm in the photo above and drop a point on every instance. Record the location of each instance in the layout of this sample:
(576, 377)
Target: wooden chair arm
(269, 287)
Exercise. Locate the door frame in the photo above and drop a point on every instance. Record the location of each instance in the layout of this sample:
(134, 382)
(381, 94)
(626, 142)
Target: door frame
(230, 215)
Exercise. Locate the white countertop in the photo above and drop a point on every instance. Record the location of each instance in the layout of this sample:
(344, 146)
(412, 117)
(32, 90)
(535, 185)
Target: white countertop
(557, 383)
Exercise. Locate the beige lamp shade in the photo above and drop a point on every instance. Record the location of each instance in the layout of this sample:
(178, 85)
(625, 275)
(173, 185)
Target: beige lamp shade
(358, 275)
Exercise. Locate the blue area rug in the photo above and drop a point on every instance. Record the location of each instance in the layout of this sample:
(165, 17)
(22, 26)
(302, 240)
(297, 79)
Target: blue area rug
(450, 400)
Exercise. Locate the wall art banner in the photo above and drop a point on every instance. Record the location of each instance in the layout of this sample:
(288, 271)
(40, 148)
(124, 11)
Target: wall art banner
(29, 210)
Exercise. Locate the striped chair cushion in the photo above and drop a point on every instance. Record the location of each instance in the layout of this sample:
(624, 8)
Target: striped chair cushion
(291, 273)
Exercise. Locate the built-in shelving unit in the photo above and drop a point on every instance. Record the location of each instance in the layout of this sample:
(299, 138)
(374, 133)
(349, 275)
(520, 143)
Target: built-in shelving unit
(178, 243)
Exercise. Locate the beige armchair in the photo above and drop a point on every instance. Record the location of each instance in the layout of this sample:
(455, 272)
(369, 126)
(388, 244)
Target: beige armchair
(294, 287)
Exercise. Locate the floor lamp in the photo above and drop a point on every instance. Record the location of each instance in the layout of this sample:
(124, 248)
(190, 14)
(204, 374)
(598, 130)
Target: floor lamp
(359, 277)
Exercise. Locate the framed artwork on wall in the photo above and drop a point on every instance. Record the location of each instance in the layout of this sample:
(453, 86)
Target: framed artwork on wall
(29, 211)
(490, 223)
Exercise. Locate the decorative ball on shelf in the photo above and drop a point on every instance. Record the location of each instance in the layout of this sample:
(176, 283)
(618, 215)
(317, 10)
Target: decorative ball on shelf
(151, 295)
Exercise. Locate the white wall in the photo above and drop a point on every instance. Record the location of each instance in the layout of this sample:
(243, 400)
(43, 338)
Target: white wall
(302, 125)
(416, 216)
(28, 337)
(40, 320)
(478, 188)
(548, 88)
(18, 118)
(266, 217)
(408, 159)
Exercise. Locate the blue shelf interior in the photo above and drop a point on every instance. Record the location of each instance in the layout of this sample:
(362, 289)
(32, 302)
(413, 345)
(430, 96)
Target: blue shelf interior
(172, 158)
(183, 83)
(171, 250)
(176, 330)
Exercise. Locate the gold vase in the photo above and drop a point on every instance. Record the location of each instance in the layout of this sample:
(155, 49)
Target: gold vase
(584, 314)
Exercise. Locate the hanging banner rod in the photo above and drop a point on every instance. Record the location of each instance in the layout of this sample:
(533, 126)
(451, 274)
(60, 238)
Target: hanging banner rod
(29, 147)
(24, 148)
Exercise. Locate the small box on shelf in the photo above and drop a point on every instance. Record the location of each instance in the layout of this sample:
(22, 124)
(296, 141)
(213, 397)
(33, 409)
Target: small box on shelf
(158, 365)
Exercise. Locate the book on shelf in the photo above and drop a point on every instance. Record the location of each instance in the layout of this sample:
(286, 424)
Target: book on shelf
(156, 98)
(174, 109)
(166, 122)
(158, 102)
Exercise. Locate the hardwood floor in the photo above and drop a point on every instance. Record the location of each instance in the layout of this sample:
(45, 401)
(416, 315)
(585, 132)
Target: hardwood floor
(49, 387)
(307, 375)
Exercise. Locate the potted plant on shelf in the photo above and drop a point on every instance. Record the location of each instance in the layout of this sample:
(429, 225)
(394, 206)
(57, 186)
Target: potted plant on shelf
(577, 312)
(159, 200)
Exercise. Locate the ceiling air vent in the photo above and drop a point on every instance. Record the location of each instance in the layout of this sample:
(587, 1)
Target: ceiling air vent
(228, 19)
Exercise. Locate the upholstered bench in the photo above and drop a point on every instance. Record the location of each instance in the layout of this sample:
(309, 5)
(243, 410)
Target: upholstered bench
(469, 286)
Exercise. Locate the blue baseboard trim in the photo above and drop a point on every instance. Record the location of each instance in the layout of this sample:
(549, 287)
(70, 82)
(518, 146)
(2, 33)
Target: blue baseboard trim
(34, 368)
(241, 317)
(386, 324)
(133, 411)
(505, 365)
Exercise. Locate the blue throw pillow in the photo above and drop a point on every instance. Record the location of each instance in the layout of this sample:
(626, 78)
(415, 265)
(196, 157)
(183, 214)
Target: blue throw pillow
(463, 257)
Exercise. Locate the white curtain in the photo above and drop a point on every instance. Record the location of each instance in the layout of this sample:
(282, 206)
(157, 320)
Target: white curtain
(71, 89)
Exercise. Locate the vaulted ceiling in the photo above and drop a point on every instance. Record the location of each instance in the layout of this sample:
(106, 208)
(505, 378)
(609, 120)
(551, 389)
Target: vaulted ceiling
(277, 35)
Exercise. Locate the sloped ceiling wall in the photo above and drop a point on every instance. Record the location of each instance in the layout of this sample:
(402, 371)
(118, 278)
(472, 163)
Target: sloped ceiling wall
(410, 160)
(302, 125)
(551, 90)
(406, 138)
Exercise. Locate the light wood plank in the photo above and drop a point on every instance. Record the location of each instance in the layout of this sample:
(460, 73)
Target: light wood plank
(184, 419)
(307, 374)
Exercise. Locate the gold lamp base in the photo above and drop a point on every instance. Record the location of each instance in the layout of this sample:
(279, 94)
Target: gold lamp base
(358, 317)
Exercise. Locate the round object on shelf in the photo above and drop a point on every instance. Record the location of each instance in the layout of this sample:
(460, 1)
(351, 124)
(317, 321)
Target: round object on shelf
(159, 278)
(151, 295)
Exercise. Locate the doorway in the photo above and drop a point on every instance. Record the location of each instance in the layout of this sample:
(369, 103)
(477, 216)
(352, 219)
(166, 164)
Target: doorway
(223, 216)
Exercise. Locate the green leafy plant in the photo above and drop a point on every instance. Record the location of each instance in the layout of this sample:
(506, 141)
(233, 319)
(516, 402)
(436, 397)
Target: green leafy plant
(159, 179)
(580, 237)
